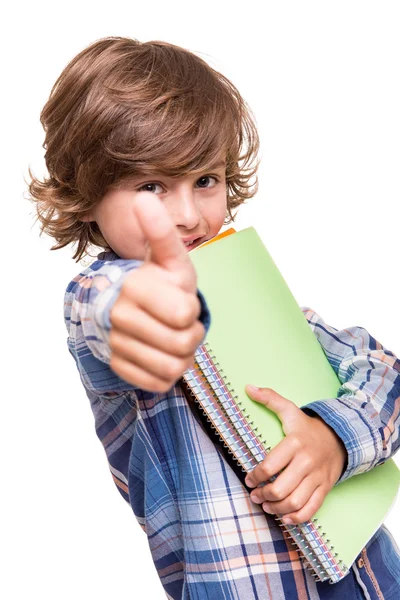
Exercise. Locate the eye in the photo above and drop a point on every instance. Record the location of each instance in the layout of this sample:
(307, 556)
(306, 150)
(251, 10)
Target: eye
(203, 181)
(207, 177)
(146, 186)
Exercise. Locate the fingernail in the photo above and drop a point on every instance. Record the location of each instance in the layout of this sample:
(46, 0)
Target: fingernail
(249, 482)
(266, 508)
(252, 388)
(255, 497)
(287, 520)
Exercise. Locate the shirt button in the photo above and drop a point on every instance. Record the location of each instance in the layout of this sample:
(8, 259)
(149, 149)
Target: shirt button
(360, 563)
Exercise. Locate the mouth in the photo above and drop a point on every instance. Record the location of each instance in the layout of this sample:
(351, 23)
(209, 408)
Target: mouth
(194, 243)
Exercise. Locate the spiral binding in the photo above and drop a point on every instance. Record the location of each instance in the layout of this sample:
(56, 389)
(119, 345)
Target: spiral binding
(218, 401)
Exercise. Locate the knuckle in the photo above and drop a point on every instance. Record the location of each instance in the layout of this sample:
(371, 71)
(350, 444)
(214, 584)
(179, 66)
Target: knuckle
(265, 471)
(318, 498)
(187, 343)
(184, 313)
(120, 344)
(115, 341)
(307, 462)
(276, 492)
(296, 519)
(173, 369)
(295, 442)
(130, 283)
(295, 504)
(189, 339)
(313, 505)
(305, 515)
(179, 278)
(119, 312)
(267, 392)
(115, 313)
(255, 476)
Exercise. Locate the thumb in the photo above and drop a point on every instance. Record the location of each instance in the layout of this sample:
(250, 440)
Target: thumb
(285, 409)
(163, 245)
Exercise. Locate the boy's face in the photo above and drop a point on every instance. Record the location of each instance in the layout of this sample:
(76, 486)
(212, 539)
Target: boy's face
(196, 203)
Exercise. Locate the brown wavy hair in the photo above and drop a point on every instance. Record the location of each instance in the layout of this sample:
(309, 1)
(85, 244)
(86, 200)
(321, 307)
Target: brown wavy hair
(122, 108)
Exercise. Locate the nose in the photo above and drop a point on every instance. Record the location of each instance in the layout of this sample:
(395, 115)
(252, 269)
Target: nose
(184, 207)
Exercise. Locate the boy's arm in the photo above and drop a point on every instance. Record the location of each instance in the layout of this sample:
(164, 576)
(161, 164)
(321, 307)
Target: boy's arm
(366, 412)
(360, 425)
(88, 302)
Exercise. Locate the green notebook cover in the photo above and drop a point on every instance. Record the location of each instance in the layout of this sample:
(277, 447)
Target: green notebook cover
(259, 335)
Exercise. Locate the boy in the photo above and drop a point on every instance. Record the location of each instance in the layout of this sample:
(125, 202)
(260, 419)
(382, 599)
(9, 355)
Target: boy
(124, 117)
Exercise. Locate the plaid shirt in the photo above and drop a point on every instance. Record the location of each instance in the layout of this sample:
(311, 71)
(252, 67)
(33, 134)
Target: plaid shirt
(207, 538)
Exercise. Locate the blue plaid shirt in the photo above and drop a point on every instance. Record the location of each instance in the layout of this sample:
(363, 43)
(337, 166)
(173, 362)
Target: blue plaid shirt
(207, 539)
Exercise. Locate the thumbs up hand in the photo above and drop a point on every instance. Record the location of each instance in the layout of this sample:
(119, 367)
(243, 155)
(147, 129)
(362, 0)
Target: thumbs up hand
(308, 461)
(154, 322)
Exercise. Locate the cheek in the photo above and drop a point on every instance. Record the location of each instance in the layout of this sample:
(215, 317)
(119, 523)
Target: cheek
(220, 212)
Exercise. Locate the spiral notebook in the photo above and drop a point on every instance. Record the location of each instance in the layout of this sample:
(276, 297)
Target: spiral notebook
(259, 335)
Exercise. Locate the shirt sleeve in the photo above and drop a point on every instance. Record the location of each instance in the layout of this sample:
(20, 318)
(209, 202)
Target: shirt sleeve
(90, 298)
(365, 413)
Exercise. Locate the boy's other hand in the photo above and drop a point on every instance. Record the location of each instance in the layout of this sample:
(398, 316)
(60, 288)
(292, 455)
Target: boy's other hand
(155, 328)
(309, 460)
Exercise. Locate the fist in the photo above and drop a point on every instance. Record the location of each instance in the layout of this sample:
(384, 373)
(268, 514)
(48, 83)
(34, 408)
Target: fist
(155, 327)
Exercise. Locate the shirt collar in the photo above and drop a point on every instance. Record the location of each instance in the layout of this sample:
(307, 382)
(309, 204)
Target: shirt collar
(107, 255)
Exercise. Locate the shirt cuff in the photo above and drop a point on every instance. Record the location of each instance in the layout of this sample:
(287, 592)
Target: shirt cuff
(353, 425)
(205, 315)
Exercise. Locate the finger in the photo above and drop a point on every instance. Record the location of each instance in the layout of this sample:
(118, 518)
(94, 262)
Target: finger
(139, 377)
(143, 328)
(178, 309)
(285, 409)
(140, 357)
(167, 249)
(295, 501)
(276, 460)
(309, 509)
(285, 483)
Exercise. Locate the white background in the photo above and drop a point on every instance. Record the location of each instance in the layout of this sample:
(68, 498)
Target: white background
(323, 81)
